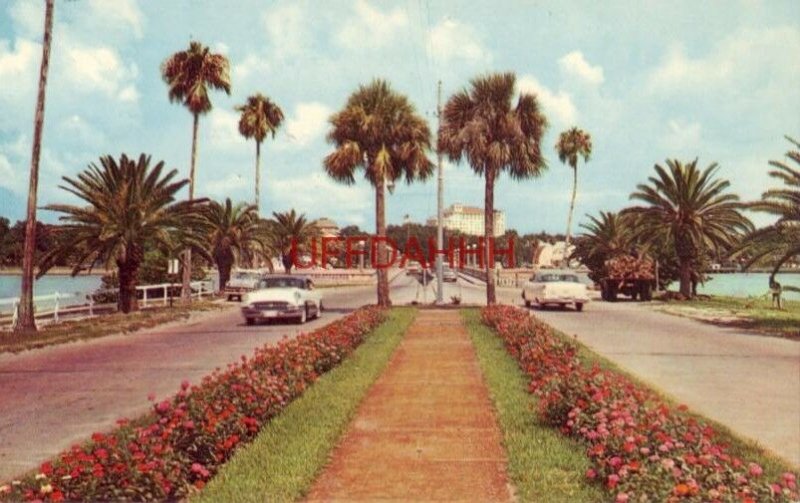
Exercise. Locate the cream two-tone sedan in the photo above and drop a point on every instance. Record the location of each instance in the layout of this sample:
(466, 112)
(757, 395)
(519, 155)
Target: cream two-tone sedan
(555, 288)
(282, 297)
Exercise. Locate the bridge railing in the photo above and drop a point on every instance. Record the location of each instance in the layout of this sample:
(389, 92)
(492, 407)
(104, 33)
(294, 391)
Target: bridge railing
(55, 306)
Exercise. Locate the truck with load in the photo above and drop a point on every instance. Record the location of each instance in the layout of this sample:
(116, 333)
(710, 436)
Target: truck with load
(628, 275)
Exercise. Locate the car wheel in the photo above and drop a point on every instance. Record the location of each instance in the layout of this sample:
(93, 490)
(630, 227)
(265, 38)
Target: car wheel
(579, 306)
(527, 303)
(230, 298)
(250, 321)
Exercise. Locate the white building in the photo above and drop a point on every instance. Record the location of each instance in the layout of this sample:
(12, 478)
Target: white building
(551, 255)
(469, 220)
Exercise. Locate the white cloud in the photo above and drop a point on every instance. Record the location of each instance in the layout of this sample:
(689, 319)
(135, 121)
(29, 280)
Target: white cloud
(287, 28)
(224, 129)
(252, 65)
(371, 28)
(682, 138)
(451, 39)
(18, 70)
(124, 14)
(558, 106)
(740, 60)
(574, 64)
(303, 194)
(76, 128)
(223, 187)
(8, 178)
(307, 123)
(100, 69)
(28, 17)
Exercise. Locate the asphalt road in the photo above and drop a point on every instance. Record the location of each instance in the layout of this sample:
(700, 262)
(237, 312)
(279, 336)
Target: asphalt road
(747, 382)
(54, 397)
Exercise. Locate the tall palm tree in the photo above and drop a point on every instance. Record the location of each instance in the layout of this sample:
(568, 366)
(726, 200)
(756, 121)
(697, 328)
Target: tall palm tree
(25, 319)
(690, 208)
(484, 126)
(781, 240)
(572, 144)
(260, 116)
(379, 131)
(289, 231)
(189, 74)
(234, 232)
(128, 205)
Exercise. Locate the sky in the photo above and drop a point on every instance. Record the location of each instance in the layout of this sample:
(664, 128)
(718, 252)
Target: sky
(649, 80)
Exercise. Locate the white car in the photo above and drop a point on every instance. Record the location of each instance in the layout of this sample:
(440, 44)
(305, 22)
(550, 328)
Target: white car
(240, 283)
(282, 297)
(555, 287)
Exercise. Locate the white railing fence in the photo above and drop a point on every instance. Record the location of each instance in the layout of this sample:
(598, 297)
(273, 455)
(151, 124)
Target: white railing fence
(56, 305)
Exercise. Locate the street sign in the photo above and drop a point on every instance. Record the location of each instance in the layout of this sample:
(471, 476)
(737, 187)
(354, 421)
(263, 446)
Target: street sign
(172, 266)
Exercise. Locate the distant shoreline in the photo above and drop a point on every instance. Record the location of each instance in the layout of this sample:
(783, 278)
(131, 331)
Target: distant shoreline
(55, 271)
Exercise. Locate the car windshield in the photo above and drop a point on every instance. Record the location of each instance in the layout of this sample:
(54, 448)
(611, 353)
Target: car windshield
(549, 278)
(282, 283)
(246, 275)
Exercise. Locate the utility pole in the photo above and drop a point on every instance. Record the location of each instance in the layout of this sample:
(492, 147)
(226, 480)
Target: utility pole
(439, 200)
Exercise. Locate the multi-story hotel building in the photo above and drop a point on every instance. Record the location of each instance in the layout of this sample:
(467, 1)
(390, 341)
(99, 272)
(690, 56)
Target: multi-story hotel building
(469, 220)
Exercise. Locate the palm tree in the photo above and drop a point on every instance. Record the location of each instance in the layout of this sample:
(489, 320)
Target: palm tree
(260, 116)
(379, 131)
(690, 208)
(189, 74)
(572, 144)
(781, 240)
(233, 232)
(607, 235)
(289, 233)
(25, 320)
(128, 206)
(482, 125)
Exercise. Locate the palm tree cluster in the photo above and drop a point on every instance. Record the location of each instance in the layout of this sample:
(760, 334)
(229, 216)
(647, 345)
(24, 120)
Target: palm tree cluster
(131, 207)
(687, 216)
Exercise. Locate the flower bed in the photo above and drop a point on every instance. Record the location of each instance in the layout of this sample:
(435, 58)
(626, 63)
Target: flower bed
(640, 448)
(173, 451)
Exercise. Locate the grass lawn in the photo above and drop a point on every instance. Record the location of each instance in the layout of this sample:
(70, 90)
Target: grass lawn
(543, 464)
(749, 313)
(90, 328)
(291, 450)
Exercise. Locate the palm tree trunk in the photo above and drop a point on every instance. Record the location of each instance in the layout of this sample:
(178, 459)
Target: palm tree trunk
(258, 177)
(686, 276)
(380, 229)
(186, 288)
(569, 218)
(488, 231)
(224, 265)
(127, 301)
(25, 320)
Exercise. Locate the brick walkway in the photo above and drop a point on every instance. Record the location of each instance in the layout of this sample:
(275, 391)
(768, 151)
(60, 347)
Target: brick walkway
(426, 429)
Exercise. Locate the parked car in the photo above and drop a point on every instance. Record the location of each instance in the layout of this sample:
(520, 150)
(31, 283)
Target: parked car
(413, 267)
(555, 287)
(240, 283)
(449, 274)
(281, 297)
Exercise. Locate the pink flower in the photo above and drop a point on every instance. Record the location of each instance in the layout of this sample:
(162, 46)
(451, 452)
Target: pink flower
(591, 474)
(622, 498)
(755, 470)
